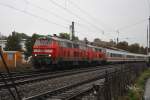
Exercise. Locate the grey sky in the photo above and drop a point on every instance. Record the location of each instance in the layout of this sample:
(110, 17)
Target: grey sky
(130, 17)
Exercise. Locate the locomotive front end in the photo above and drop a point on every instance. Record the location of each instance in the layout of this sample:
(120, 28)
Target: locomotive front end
(42, 53)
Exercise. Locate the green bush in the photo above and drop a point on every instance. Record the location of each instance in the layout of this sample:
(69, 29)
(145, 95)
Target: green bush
(137, 91)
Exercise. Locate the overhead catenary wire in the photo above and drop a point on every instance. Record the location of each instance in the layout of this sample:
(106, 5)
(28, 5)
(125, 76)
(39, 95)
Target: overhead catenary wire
(148, 5)
(83, 19)
(58, 16)
(86, 13)
(48, 11)
(132, 25)
(33, 15)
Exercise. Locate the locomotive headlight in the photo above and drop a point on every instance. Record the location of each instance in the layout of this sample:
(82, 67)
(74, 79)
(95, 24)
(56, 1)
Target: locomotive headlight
(35, 55)
(49, 55)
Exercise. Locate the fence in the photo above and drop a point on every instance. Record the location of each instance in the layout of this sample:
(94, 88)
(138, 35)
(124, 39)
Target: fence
(117, 82)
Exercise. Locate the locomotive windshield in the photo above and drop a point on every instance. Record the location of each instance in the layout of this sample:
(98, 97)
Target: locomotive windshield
(42, 42)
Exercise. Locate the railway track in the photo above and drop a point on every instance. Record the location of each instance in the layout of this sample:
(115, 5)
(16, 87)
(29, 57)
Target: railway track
(61, 85)
(30, 74)
(22, 79)
(67, 92)
(70, 91)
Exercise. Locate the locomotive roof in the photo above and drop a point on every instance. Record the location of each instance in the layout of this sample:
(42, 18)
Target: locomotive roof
(95, 47)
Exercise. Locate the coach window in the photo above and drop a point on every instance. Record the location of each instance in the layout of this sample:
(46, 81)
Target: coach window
(100, 50)
(69, 45)
(75, 45)
(64, 44)
(82, 47)
(108, 54)
(111, 55)
(61, 43)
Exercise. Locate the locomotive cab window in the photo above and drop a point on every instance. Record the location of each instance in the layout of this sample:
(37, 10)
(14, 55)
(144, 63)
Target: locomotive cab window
(43, 41)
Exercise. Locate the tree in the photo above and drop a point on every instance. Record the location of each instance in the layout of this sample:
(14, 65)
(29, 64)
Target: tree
(64, 36)
(135, 48)
(85, 40)
(76, 38)
(67, 36)
(122, 45)
(13, 42)
(97, 40)
(142, 50)
(22, 35)
(29, 44)
(3, 37)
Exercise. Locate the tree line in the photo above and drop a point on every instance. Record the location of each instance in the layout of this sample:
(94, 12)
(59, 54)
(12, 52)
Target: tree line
(13, 43)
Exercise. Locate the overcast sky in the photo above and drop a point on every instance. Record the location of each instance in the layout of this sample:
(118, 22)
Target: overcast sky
(93, 18)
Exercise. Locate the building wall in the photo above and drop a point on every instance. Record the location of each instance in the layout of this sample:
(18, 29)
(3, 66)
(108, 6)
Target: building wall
(12, 59)
(22, 43)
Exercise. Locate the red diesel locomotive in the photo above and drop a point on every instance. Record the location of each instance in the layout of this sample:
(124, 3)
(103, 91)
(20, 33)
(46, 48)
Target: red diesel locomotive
(48, 52)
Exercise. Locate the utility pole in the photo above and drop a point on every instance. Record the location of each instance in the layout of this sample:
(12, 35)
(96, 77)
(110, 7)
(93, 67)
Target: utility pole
(1, 41)
(72, 35)
(118, 36)
(149, 34)
(72, 31)
(147, 40)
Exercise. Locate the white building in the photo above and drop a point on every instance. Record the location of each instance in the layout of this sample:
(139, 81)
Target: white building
(22, 43)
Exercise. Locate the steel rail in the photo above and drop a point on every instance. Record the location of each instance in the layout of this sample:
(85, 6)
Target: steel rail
(49, 94)
(50, 76)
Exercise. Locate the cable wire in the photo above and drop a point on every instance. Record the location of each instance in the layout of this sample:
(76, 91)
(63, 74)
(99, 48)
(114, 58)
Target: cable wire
(33, 15)
(56, 15)
(132, 25)
(60, 6)
(83, 11)
(50, 12)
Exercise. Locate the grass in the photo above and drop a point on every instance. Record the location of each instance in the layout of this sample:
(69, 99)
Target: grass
(136, 91)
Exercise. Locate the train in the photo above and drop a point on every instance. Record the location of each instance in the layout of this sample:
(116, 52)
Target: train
(51, 51)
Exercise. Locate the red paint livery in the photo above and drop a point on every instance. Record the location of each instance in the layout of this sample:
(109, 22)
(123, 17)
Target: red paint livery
(54, 51)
